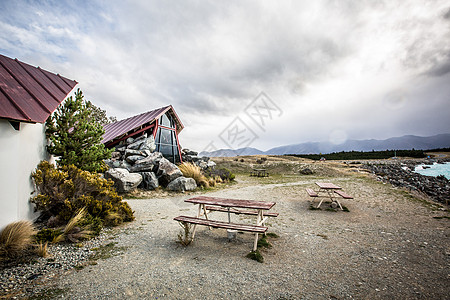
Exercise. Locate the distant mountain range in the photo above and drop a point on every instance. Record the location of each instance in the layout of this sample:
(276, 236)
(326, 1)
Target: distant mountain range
(406, 142)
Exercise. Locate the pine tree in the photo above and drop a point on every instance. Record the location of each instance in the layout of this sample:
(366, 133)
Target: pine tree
(75, 136)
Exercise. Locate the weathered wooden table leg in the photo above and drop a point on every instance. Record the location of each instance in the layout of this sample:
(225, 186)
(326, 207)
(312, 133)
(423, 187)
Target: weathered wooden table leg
(258, 221)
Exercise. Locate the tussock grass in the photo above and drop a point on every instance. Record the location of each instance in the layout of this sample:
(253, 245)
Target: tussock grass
(72, 232)
(193, 171)
(42, 249)
(16, 237)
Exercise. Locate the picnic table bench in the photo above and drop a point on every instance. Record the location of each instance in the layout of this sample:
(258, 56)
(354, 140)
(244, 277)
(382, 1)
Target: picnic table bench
(238, 211)
(206, 205)
(219, 224)
(330, 190)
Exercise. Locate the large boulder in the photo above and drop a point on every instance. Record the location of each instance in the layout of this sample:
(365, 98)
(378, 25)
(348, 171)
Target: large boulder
(182, 184)
(135, 145)
(134, 158)
(147, 164)
(148, 144)
(117, 164)
(149, 181)
(167, 172)
(202, 164)
(131, 152)
(124, 181)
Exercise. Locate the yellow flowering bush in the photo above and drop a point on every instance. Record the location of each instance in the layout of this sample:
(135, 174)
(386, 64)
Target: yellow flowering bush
(65, 190)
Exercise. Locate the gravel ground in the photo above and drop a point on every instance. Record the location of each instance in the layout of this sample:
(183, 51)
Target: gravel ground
(389, 245)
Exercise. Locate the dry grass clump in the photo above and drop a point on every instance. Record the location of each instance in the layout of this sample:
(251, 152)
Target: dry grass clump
(193, 171)
(211, 182)
(74, 233)
(16, 237)
(218, 179)
(42, 249)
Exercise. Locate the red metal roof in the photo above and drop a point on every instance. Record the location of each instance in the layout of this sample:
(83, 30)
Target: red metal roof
(119, 128)
(30, 94)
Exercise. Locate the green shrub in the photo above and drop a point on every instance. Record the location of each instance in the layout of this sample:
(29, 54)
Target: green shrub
(223, 173)
(75, 135)
(256, 255)
(94, 223)
(66, 190)
(48, 235)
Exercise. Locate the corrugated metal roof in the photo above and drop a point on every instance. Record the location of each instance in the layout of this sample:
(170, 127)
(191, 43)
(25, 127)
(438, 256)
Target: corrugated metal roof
(119, 128)
(30, 94)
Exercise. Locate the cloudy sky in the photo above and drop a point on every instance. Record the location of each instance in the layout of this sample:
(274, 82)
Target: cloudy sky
(278, 72)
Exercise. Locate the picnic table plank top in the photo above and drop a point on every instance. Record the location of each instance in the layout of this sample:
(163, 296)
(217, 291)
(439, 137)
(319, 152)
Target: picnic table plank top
(328, 185)
(231, 202)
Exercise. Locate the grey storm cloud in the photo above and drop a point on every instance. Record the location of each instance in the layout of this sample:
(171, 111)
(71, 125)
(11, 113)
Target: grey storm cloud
(334, 61)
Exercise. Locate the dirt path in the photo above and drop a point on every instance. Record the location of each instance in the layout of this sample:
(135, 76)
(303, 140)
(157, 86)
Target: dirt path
(387, 246)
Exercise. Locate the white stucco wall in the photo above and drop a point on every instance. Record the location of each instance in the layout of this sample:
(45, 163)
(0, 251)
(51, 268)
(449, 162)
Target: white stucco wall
(20, 153)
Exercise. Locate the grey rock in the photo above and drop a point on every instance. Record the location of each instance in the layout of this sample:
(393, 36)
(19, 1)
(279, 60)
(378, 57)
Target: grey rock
(192, 158)
(148, 144)
(202, 164)
(149, 181)
(130, 140)
(147, 164)
(135, 145)
(130, 152)
(211, 164)
(140, 138)
(124, 181)
(306, 171)
(182, 184)
(133, 158)
(167, 172)
(121, 149)
(116, 155)
(108, 162)
(190, 152)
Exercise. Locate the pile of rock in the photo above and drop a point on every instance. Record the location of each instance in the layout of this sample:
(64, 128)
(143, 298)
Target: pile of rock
(401, 174)
(136, 164)
(203, 162)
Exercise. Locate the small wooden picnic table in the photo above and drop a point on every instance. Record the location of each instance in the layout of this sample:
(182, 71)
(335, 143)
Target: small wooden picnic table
(210, 204)
(259, 173)
(330, 190)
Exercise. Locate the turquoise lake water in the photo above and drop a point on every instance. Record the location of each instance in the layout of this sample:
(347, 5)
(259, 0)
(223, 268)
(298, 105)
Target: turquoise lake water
(434, 170)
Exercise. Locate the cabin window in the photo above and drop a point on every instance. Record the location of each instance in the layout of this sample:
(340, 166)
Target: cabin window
(166, 143)
(167, 121)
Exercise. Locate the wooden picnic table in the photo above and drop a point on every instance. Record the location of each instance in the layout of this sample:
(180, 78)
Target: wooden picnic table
(206, 205)
(330, 190)
(259, 173)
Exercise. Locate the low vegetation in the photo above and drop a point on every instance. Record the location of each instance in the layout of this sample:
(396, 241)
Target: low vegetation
(191, 170)
(208, 178)
(224, 174)
(15, 238)
(350, 155)
(66, 190)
